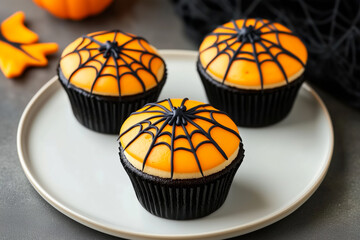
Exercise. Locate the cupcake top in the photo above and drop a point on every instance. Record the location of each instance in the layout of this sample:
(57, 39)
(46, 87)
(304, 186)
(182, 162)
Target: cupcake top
(112, 63)
(179, 139)
(253, 54)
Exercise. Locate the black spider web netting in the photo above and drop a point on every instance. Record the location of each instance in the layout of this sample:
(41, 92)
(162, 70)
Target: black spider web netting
(329, 28)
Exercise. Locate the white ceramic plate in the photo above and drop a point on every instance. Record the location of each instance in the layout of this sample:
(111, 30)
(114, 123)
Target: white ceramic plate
(78, 171)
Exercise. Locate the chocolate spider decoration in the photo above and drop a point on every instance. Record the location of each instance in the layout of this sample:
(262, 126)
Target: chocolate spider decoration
(109, 49)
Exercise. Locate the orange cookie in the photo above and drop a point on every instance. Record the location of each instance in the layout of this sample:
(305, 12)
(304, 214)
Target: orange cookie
(252, 68)
(108, 75)
(18, 47)
(180, 144)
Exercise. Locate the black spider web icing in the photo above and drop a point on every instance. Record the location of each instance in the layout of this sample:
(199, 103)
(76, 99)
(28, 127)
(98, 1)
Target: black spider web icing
(112, 50)
(249, 34)
(177, 117)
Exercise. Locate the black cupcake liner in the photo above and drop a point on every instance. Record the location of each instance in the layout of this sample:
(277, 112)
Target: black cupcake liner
(182, 199)
(251, 108)
(106, 114)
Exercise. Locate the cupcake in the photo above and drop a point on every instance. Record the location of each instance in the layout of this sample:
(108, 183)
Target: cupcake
(181, 157)
(108, 75)
(252, 69)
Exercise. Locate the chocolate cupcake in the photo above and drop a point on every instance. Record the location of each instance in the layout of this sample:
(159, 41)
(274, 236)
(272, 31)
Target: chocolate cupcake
(109, 74)
(181, 157)
(252, 69)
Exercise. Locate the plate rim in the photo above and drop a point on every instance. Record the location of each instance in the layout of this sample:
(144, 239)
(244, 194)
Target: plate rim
(45, 90)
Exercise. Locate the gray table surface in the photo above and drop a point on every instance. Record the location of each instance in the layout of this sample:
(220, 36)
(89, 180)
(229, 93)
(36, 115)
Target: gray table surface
(333, 212)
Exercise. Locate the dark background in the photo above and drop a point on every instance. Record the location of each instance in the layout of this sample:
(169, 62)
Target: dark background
(333, 212)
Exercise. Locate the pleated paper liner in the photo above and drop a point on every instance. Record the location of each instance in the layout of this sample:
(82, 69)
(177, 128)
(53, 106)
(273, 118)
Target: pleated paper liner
(182, 199)
(106, 114)
(251, 108)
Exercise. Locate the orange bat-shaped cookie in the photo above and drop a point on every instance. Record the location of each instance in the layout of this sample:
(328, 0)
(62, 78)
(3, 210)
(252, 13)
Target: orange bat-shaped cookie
(18, 47)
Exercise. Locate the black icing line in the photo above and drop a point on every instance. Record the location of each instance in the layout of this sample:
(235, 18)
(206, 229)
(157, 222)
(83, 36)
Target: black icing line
(16, 45)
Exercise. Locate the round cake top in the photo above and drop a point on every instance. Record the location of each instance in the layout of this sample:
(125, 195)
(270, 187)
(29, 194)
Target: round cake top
(112, 63)
(179, 138)
(253, 54)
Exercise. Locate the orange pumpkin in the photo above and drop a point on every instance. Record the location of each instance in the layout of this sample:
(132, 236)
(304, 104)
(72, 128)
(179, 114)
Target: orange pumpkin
(74, 9)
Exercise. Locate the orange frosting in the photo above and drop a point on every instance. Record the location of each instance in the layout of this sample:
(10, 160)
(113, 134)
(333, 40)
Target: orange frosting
(202, 140)
(19, 48)
(112, 63)
(253, 52)
(74, 9)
